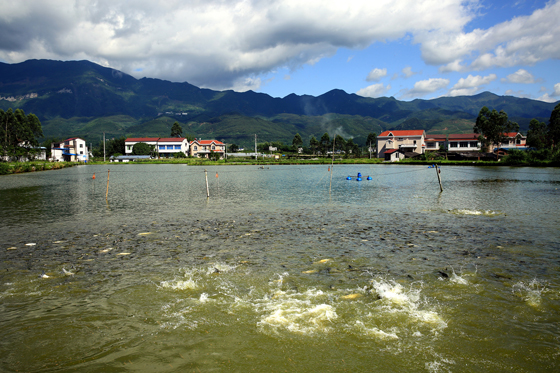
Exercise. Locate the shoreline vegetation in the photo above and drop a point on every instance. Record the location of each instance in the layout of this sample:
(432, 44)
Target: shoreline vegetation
(7, 168)
(35, 166)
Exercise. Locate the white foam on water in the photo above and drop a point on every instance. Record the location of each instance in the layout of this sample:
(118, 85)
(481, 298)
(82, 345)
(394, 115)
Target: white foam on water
(203, 298)
(374, 332)
(301, 313)
(439, 366)
(189, 284)
(394, 293)
(219, 268)
(458, 279)
(395, 299)
(530, 292)
(475, 212)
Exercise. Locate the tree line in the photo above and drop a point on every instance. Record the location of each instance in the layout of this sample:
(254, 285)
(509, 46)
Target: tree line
(543, 139)
(323, 146)
(19, 134)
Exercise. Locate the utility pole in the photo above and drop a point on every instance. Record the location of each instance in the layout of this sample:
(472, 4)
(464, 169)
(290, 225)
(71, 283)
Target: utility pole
(104, 147)
(256, 147)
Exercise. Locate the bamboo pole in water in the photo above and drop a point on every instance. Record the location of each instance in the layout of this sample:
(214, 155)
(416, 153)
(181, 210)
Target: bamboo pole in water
(207, 191)
(107, 192)
(439, 178)
(332, 163)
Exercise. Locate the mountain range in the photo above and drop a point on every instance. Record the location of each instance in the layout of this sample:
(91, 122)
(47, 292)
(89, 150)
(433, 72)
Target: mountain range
(84, 99)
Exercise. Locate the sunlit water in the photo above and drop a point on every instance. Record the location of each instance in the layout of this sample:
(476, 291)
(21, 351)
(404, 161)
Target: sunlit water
(280, 270)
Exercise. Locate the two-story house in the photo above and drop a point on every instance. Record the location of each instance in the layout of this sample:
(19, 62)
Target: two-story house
(203, 148)
(401, 141)
(514, 140)
(164, 146)
(70, 150)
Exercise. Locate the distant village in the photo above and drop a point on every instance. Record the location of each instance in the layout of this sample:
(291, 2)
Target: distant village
(75, 149)
(391, 146)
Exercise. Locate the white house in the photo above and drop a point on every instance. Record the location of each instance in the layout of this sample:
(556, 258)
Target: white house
(453, 142)
(203, 148)
(164, 146)
(404, 141)
(70, 150)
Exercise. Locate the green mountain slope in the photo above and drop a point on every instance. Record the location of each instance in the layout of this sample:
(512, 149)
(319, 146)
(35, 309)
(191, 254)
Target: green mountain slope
(80, 98)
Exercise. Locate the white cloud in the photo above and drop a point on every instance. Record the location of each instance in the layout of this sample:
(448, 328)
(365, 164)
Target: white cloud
(424, 87)
(376, 74)
(556, 90)
(546, 98)
(523, 40)
(470, 85)
(407, 72)
(462, 92)
(374, 90)
(474, 81)
(213, 43)
(520, 93)
(520, 76)
(247, 84)
(220, 43)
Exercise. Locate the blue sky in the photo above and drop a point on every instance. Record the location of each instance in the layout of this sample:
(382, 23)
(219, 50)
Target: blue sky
(407, 49)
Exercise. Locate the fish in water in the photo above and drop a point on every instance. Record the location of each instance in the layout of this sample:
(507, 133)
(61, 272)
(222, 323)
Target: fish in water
(67, 273)
(351, 296)
(43, 275)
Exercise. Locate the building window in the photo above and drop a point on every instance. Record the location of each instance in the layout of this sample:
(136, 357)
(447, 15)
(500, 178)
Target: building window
(431, 144)
(162, 147)
(464, 144)
(170, 147)
(474, 144)
(82, 152)
(518, 141)
(400, 139)
(213, 147)
(129, 147)
(453, 144)
(81, 145)
(195, 147)
(177, 147)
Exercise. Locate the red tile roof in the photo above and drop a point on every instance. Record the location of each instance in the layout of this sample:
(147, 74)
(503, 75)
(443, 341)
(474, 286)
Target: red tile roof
(465, 136)
(402, 133)
(141, 139)
(207, 142)
(171, 139)
(73, 138)
(390, 151)
(436, 137)
(157, 139)
(511, 134)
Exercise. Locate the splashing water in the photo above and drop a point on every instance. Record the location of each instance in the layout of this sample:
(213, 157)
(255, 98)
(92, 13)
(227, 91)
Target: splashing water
(531, 292)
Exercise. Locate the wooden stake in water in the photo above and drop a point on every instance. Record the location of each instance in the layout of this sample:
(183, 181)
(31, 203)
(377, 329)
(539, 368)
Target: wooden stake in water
(207, 191)
(332, 165)
(107, 192)
(439, 178)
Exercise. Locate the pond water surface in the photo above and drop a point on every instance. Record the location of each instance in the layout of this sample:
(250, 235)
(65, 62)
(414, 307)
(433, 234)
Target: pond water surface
(281, 269)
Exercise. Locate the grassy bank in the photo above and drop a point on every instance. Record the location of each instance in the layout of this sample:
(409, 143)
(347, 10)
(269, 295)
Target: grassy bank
(327, 161)
(20, 167)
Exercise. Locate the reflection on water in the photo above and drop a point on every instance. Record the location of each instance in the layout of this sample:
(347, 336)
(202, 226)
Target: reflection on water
(274, 273)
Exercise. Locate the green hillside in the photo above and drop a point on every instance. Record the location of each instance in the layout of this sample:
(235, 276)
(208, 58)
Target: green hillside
(80, 98)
